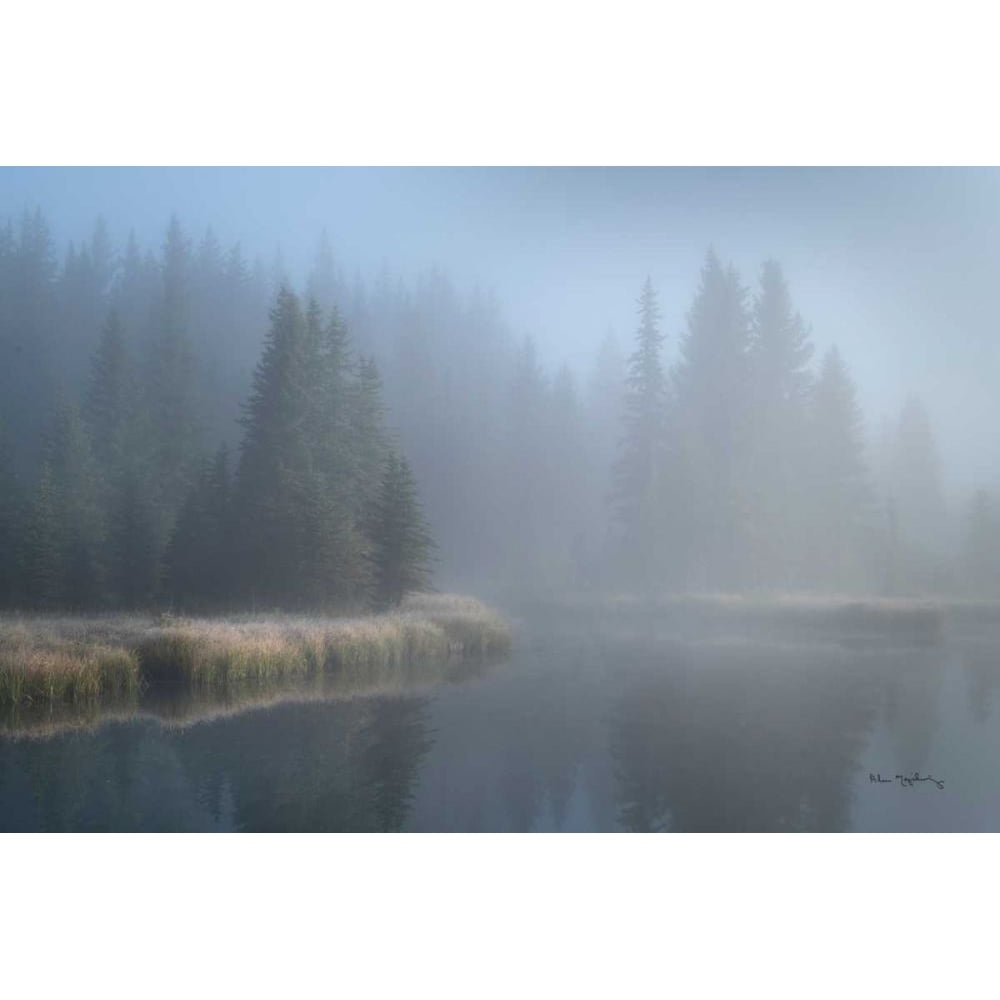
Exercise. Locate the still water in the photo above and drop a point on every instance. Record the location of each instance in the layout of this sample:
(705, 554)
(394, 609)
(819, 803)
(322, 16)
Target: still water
(582, 728)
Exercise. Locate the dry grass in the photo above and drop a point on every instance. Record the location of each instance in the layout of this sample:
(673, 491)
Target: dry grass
(835, 615)
(68, 658)
(39, 664)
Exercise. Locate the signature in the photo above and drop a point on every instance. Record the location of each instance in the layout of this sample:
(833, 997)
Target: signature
(905, 780)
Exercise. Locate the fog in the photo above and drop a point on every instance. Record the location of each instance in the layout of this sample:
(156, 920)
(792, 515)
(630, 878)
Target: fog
(554, 446)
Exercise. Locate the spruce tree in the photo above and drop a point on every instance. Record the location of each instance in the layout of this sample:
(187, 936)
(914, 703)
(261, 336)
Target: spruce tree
(41, 559)
(10, 524)
(274, 460)
(981, 547)
(401, 543)
(133, 551)
(639, 466)
(841, 542)
(109, 403)
(77, 512)
(198, 561)
(780, 381)
(712, 395)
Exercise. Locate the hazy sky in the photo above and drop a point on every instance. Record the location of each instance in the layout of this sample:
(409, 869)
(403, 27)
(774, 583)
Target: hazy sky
(897, 266)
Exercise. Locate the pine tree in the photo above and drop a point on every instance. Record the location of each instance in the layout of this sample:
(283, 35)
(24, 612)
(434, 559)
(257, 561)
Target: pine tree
(916, 480)
(10, 524)
(198, 558)
(841, 502)
(401, 542)
(40, 555)
(76, 509)
(176, 423)
(133, 553)
(274, 458)
(109, 403)
(639, 467)
(780, 381)
(981, 547)
(368, 436)
(712, 409)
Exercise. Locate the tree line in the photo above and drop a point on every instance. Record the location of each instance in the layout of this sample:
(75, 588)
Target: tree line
(124, 508)
(746, 466)
(176, 427)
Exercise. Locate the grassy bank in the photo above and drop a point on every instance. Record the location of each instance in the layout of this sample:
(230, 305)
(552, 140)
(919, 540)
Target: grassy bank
(65, 658)
(796, 615)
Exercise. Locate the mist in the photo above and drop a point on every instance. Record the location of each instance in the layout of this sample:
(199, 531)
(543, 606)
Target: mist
(501, 309)
(507, 498)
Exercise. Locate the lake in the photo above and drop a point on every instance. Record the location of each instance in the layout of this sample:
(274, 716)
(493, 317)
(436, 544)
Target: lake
(586, 726)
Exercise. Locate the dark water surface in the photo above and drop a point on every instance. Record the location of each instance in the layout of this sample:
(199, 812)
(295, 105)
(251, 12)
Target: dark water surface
(582, 728)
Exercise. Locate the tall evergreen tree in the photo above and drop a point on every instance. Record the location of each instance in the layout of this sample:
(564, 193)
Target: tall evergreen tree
(841, 501)
(109, 403)
(78, 520)
(134, 544)
(640, 464)
(981, 547)
(41, 561)
(712, 392)
(401, 542)
(176, 424)
(10, 523)
(778, 368)
(199, 558)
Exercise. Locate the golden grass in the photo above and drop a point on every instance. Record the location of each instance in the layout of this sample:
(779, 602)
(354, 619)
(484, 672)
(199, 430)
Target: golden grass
(42, 665)
(67, 658)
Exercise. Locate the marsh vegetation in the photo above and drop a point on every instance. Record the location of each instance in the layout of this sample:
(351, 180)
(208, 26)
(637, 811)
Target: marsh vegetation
(72, 658)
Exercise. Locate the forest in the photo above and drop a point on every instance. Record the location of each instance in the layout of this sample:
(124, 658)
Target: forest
(186, 426)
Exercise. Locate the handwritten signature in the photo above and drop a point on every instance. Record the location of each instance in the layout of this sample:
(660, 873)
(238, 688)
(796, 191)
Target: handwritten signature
(905, 780)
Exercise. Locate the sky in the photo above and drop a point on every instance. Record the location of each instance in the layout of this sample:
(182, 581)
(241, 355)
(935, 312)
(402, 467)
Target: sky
(895, 266)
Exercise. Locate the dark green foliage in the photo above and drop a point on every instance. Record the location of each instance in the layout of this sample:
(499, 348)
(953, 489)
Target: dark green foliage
(41, 561)
(133, 543)
(199, 557)
(400, 540)
(78, 521)
(110, 400)
(11, 517)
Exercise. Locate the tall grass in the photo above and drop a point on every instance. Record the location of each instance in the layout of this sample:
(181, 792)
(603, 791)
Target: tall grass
(61, 659)
(38, 664)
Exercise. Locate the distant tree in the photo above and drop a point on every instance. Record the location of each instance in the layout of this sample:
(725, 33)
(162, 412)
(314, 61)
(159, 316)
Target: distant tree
(40, 555)
(10, 523)
(712, 407)
(323, 285)
(78, 518)
(840, 500)
(916, 479)
(134, 558)
(981, 546)
(401, 542)
(199, 558)
(780, 380)
(176, 422)
(639, 464)
(109, 403)
(368, 435)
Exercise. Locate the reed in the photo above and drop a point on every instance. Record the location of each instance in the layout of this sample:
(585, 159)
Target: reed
(57, 659)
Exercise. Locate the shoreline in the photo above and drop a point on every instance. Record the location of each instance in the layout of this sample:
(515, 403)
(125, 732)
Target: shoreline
(48, 659)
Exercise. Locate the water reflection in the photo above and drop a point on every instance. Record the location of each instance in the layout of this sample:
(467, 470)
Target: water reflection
(581, 731)
(741, 738)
